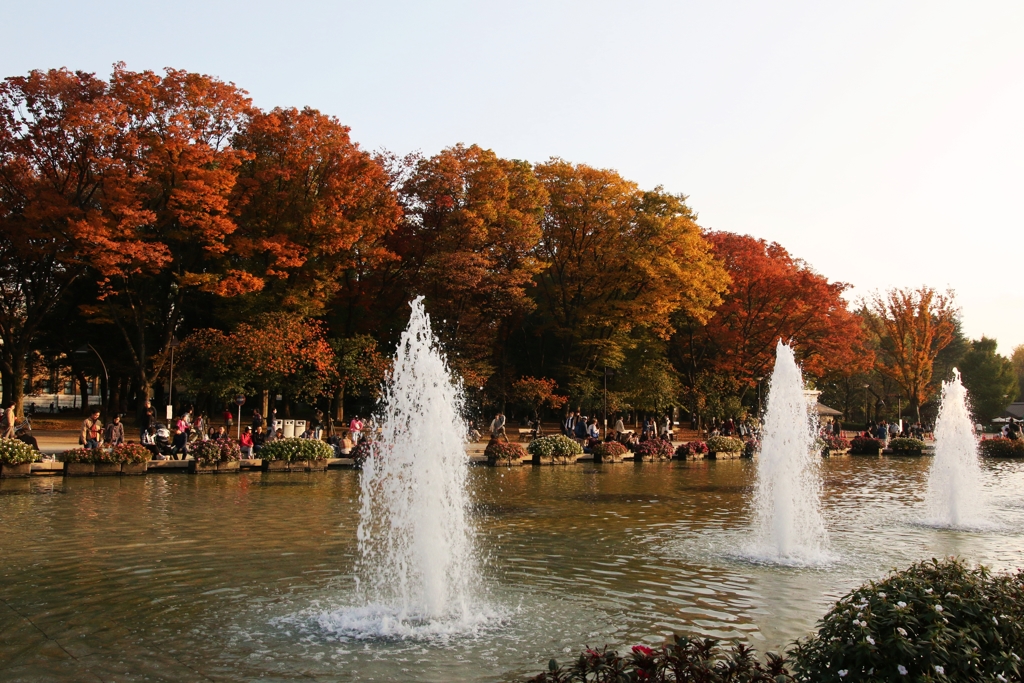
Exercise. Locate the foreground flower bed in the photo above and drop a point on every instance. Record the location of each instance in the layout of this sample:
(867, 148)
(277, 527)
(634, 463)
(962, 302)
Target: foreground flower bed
(936, 621)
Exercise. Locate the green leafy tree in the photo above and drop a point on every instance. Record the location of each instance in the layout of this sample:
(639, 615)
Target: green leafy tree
(990, 379)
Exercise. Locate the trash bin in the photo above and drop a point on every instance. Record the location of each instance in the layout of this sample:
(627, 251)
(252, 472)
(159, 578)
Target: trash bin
(289, 429)
(300, 427)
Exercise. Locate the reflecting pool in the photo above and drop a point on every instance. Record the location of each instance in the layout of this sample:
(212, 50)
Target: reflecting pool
(237, 577)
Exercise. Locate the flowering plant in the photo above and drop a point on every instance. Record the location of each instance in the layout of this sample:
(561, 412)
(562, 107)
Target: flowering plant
(902, 446)
(206, 452)
(1003, 448)
(835, 443)
(76, 455)
(751, 447)
(609, 449)
(500, 451)
(725, 444)
(937, 620)
(102, 456)
(865, 445)
(692, 448)
(654, 448)
(131, 453)
(555, 445)
(15, 452)
(294, 449)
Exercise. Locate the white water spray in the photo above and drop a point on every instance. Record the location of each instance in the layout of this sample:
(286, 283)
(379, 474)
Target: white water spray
(788, 523)
(954, 482)
(416, 543)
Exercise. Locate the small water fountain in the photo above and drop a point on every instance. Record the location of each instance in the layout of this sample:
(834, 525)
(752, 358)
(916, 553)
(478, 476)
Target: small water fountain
(416, 544)
(953, 497)
(788, 524)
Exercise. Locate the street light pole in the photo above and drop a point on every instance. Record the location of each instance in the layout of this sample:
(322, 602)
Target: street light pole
(106, 376)
(170, 389)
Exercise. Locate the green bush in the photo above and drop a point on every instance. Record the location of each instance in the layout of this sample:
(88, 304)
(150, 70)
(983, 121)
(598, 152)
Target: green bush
(555, 445)
(293, 449)
(609, 449)
(655, 448)
(1002, 448)
(131, 453)
(724, 444)
(15, 452)
(933, 621)
(901, 446)
(501, 451)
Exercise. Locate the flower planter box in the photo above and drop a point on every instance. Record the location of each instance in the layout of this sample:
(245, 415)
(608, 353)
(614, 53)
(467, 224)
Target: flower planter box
(504, 462)
(13, 471)
(554, 459)
(312, 465)
(870, 455)
(134, 467)
(196, 467)
(692, 456)
(229, 466)
(106, 469)
(725, 455)
(275, 466)
(79, 469)
(611, 458)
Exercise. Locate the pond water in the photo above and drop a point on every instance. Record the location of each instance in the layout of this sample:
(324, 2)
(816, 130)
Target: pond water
(234, 577)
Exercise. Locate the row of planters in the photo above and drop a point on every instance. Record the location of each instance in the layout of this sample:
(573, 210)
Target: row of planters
(717, 448)
(864, 445)
(125, 458)
(557, 449)
(1002, 448)
(935, 621)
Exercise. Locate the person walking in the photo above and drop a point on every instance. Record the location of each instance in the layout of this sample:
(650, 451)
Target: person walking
(257, 419)
(7, 422)
(229, 419)
(92, 431)
(147, 419)
(355, 430)
(114, 433)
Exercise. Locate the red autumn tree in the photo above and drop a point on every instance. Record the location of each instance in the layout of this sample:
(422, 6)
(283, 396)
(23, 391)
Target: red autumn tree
(536, 393)
(69, 200)
(772, 296)
(913, 326)
(179, 126)
(312, 208)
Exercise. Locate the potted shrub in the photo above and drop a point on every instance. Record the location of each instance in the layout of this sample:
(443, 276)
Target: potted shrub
(865, 445)
(78, 463)
(724, 447)
(1002, 448)
(693, 450)
(221, 455)
(609, 451)
(653, 449)
(360, 452)
(555, 449)
(134, 458)
(16, 458)
(751, 447)
(901, 446)
(104, 462)
(292, 455)
(500, 453)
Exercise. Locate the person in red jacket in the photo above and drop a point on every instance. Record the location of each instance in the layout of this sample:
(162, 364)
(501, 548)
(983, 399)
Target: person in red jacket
(245, 442)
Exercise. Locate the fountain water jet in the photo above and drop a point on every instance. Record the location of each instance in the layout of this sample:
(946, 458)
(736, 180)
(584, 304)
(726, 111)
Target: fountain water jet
(417, 562)
(953, 497)
(788, 523)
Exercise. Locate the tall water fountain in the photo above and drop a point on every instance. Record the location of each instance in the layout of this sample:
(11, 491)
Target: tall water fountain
(954, 497)
(416, 544)
(788, 524)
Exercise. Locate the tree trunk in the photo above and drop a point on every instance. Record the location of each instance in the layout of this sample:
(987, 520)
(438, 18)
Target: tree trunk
(339, 404)
(12, 371)
(266, 404)
(83, 389)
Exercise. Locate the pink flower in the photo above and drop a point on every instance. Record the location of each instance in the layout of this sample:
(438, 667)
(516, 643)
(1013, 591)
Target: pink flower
(643, 651)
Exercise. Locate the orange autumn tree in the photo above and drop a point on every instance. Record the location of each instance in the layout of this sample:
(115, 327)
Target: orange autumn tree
(472, 222)
(913, 326)
(616, 259)
(537, 393)
(312, 208)
(69, 199)
(772, 296)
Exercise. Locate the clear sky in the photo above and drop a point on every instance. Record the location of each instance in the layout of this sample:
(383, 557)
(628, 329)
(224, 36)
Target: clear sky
(882, 142)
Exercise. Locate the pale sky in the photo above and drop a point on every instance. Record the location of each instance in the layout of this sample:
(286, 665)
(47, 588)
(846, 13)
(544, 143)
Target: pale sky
(882, 142)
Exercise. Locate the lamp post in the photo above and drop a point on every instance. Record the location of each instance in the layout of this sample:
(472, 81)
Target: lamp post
(759, 380)
(84, 351)
(170, 389)
(867, 409)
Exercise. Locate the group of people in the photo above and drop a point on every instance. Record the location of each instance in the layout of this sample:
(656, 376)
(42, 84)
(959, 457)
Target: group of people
(885, 431)
(95, 434)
